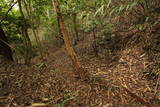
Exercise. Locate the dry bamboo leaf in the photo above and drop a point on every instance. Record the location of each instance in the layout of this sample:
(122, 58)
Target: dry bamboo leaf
(37, 105)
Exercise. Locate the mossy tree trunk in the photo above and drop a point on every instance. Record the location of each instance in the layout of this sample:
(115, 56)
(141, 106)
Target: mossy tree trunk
(34, 29)
(28, 44)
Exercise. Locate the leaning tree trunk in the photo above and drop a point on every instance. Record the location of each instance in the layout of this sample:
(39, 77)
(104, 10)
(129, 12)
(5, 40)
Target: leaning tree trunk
(67, 40)
(60, 35)
(26, 36)
(5, 49)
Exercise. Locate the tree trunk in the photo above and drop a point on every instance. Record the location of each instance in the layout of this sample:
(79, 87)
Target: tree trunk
(75, 27)
(60, 36)
(5, 50)
(66, 37)
(26, 36)
(95, 47)
(34, 30)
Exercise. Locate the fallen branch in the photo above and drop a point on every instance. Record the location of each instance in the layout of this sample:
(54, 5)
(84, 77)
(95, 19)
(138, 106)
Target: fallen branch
(139, 99)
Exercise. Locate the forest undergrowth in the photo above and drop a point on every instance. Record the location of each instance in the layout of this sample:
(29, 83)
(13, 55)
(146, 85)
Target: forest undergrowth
(53, 83)
(45, 46)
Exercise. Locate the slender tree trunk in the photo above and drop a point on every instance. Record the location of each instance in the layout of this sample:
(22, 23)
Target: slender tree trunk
(75, 27)
(29, 13)
(26, 36)
(38, 42)
(5, 50)
(66, 37)
(60, 37)
(95, 47)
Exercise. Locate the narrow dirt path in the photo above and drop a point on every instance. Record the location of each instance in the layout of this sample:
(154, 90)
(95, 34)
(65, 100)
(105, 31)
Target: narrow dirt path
(125, 68)
(54, 83)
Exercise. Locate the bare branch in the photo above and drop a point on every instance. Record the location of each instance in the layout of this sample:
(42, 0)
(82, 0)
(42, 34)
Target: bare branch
(6, 15)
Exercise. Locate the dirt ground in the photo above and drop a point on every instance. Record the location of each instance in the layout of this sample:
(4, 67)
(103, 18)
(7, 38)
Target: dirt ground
(53, 83)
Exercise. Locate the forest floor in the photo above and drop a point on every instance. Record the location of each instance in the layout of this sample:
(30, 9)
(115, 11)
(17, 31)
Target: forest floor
(53, 83)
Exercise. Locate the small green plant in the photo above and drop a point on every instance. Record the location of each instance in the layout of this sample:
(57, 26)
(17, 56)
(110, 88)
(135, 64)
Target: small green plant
(68, 95)
(56, 70)
(41, 66)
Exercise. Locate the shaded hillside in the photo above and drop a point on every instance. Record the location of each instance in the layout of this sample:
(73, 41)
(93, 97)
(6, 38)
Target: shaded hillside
(54, 83)
(80, 53)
